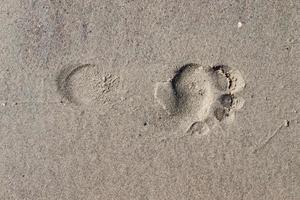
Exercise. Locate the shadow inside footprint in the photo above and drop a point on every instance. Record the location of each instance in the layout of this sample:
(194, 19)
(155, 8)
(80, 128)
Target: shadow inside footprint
(63, 80)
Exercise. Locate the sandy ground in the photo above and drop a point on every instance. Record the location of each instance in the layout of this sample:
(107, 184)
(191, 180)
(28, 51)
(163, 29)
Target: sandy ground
(150, 100)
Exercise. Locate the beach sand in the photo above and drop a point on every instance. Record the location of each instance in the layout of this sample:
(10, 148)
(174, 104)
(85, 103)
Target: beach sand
(149, 100)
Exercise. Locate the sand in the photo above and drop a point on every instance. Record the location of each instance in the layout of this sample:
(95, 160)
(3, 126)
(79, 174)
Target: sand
(149, 100)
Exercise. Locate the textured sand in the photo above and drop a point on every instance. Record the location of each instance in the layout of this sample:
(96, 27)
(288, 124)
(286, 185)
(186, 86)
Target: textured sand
(149, 100)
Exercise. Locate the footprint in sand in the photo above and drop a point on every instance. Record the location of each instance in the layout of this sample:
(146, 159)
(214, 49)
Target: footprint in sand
(198, 96)
(88, 85)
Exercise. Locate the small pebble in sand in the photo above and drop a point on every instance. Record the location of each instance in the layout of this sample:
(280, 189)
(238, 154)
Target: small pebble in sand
(286, 123)
(240, 24)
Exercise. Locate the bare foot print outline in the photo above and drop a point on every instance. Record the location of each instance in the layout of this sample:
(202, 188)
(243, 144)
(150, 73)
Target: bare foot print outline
(198, 96)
